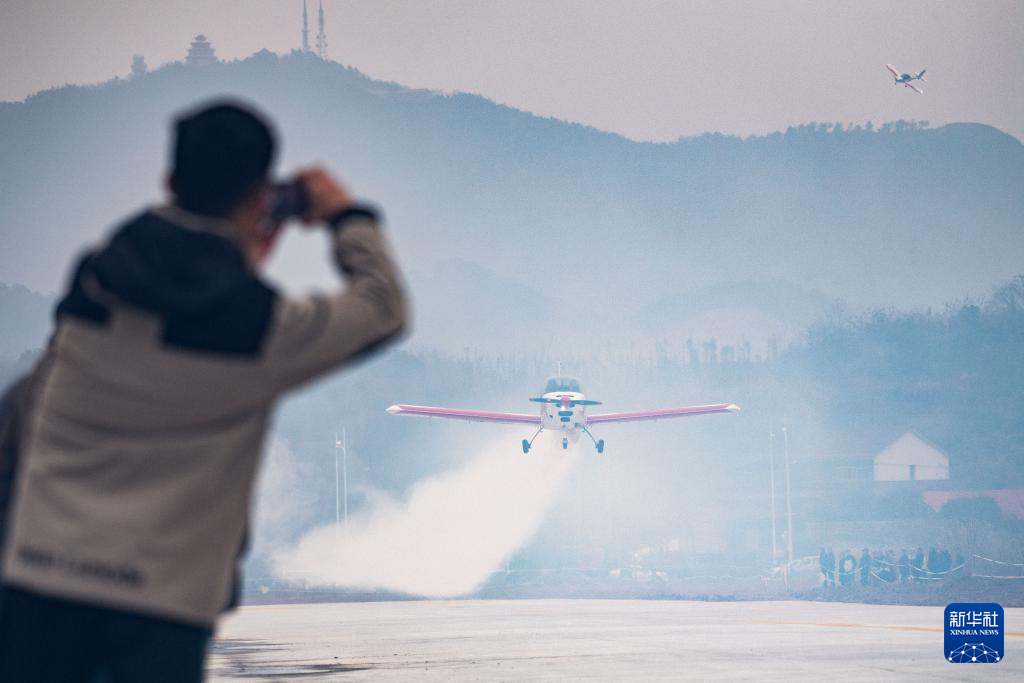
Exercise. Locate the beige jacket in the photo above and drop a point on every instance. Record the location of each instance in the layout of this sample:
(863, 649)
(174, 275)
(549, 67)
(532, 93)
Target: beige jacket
(141, 448)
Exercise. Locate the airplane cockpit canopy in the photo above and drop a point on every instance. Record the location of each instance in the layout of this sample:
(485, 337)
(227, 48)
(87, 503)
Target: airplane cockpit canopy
(562, 384)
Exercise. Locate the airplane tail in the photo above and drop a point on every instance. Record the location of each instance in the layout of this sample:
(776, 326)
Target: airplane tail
(920, 75)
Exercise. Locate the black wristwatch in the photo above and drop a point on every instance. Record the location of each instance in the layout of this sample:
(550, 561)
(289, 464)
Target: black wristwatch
(351, 213)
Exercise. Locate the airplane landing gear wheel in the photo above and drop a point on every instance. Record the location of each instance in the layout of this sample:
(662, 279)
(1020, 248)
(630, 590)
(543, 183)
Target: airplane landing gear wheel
(600, 446)
(565, 443)
(526, 446)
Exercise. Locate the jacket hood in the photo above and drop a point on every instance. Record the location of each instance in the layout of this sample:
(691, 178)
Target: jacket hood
(158, 264)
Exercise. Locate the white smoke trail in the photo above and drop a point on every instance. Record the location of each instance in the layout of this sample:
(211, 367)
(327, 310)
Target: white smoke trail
(448, 536)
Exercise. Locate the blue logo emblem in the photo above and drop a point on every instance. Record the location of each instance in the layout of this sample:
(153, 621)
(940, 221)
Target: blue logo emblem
(974, 633)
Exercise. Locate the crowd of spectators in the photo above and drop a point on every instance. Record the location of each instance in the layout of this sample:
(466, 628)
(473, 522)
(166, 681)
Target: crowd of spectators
(846, 569)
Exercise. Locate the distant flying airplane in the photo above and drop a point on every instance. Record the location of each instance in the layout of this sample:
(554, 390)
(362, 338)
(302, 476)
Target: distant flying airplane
(906, 79)
(564, 410)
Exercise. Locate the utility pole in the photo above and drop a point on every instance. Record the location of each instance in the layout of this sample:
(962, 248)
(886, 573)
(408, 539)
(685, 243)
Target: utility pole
(771, 479)
(789, 505)
(341, 497)
(337, 504)
(344, 473)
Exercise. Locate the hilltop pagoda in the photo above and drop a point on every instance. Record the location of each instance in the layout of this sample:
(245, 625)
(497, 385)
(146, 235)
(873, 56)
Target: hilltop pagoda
(200, 53)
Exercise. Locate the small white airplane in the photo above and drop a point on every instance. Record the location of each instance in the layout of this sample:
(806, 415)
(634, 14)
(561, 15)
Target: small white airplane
(563, 410)
(906, 79)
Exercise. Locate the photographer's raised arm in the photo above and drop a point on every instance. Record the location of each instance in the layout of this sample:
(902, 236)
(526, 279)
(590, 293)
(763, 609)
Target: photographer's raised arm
(313, 334)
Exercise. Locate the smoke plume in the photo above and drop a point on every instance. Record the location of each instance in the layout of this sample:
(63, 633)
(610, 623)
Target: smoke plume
(447, 536)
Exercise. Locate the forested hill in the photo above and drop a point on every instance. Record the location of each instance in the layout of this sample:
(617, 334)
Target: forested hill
(560, 232)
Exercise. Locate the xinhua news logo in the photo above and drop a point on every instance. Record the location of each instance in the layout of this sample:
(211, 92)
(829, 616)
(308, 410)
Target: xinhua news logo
(974, 633)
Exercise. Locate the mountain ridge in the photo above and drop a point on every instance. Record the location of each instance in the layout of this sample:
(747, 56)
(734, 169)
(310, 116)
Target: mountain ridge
(900, 215)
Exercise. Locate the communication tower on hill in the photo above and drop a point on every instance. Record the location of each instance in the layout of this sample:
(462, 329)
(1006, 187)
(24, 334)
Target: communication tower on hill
(321, 35)
(305, 28)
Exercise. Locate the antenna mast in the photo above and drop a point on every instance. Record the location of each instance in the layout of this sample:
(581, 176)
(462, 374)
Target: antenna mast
(321, 36)
(305, 28)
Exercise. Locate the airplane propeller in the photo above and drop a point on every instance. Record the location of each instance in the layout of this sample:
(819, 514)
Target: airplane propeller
(571, 402)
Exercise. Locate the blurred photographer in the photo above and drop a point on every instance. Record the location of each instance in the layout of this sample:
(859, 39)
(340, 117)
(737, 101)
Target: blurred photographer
(139, 432)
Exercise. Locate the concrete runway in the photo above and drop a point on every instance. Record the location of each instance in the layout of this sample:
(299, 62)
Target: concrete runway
(607, 640)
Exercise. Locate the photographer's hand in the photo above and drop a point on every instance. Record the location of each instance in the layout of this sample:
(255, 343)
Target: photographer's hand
(324, 330)
(327, 196)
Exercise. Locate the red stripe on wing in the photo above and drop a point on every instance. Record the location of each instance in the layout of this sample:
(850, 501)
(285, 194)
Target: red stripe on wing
(664, 413)
(468, 415)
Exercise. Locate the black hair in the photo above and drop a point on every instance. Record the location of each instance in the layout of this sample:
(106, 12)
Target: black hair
(222, 153)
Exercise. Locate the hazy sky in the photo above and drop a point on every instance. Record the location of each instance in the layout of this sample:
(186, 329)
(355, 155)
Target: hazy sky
(649, 70)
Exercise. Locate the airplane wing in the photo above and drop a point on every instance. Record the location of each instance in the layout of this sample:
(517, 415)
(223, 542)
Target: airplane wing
(466, 415)
(892, 70)
(664, 413)
(917, 90)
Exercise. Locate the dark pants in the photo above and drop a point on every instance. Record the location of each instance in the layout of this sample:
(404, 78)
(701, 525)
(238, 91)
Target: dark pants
(44, 639)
